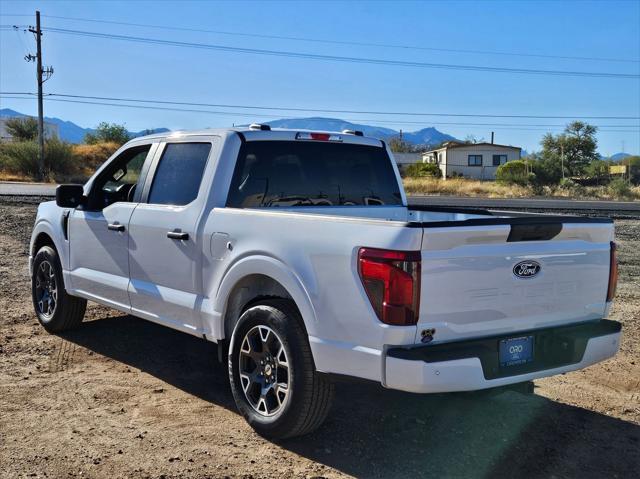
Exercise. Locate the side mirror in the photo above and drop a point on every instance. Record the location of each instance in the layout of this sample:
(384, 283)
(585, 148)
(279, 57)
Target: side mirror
(70, 196)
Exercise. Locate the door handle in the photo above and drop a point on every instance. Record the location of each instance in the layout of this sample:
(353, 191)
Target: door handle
(178, 235)
(115, 227)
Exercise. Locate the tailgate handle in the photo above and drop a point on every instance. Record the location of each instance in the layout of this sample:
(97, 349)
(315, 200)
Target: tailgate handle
(534, 232)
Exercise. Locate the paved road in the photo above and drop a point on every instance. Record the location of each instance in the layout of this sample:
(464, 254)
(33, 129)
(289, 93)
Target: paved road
(26, 189)
(35, 189)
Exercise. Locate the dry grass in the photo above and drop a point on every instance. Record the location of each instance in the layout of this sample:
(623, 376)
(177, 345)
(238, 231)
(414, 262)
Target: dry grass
(7, 176)
(491, 189)
(81, 161)
(462, 187)
(90, 157)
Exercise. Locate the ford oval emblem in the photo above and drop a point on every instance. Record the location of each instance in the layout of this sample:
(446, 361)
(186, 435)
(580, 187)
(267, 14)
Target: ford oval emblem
(526, 269)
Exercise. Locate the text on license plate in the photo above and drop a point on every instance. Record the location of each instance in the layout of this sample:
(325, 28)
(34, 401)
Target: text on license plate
(514, 351)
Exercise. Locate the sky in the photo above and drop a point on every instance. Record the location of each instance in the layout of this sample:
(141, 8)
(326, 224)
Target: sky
(541, 30)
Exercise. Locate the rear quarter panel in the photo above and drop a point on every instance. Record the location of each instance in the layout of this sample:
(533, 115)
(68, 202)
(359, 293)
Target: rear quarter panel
(319, 255)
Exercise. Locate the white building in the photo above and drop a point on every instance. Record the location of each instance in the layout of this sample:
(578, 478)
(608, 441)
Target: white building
(406, 159)
(50, 129)
(471, 160)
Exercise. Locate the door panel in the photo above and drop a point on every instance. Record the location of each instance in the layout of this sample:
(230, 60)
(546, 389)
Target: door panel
(164, 247)
(99, 233)
(162, 269)
(99, 263)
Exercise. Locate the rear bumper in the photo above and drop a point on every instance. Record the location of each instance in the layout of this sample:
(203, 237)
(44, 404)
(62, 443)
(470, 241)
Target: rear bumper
(474, 364)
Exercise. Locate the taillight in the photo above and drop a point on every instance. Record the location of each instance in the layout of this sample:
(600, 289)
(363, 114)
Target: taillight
(392, 282)
(613, 273)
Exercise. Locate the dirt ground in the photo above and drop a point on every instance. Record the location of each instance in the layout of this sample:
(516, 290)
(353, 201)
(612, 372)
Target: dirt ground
(121, 397)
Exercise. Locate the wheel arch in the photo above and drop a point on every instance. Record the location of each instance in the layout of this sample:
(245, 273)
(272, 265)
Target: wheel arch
(255, 278)
(46, 234)
(42, 239)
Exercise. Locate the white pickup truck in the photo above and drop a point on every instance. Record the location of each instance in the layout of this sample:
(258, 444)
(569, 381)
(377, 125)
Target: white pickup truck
(296, 252)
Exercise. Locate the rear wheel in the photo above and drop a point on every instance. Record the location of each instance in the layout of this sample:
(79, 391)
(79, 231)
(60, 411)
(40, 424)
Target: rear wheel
(273, 379)
(56, 310)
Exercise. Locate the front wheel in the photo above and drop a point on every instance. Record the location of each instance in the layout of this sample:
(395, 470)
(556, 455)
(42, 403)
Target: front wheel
(56, 310)
(273, 379)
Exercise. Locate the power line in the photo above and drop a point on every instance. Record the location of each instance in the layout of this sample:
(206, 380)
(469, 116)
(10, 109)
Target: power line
(343, 42)
(340, 42)
(346, 59)
(245, 114)
(299, 109)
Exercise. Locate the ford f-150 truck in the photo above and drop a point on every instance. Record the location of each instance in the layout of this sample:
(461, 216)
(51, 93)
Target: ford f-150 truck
(297, 253)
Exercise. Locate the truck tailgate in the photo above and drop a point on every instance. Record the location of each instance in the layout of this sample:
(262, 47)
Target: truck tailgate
(489, 276)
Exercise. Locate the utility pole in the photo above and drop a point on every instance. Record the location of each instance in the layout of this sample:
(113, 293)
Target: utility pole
(42, 75)
(38, 33)
(562, 158)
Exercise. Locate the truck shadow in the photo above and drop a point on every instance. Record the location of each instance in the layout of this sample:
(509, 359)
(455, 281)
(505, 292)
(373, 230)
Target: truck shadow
(374, 432)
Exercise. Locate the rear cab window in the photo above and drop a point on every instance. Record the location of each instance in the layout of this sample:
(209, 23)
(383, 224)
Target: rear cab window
(179, 173)
(299, 173)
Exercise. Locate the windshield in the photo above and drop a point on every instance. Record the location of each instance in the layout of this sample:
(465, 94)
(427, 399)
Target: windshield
(299, 173)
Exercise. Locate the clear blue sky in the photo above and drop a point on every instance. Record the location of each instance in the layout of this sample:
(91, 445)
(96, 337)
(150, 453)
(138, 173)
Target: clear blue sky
(106, 67)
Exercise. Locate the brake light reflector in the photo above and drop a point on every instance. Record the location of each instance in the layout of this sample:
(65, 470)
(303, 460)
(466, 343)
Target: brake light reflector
(613, 272)
(392, 282)
(317, 136)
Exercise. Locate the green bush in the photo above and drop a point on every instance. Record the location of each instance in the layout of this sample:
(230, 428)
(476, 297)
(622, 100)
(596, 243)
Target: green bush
(59, 158)
(619, 188)
(514, 173)
(548, 171)
(418, 170)
(572, 187)
(21, 157)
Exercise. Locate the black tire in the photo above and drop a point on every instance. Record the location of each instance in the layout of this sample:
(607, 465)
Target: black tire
(309, 393)
(56, 312)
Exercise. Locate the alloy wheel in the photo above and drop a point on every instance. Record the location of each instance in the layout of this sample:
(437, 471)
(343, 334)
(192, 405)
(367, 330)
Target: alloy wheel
(46, 289)
(265, 375)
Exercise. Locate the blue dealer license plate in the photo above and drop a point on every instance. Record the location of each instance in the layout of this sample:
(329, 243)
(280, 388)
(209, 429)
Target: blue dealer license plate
(516, 351)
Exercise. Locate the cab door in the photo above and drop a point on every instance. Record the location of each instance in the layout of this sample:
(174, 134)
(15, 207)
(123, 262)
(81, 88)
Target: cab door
(165, 247)
(98, 232)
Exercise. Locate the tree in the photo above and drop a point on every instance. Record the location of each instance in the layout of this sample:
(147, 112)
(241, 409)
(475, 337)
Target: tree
(472, 140)
(398, 145)
(633, 163)
(575, 147)
(546, 169)
(108, 133)
(597, 169)
(23, 129)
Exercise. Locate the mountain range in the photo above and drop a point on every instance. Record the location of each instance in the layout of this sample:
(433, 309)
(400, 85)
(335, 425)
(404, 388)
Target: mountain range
(73, 133)
(426, 137)
(69, 131)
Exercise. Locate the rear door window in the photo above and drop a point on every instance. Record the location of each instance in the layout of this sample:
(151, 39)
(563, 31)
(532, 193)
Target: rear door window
(298, 173)
(179, 173)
